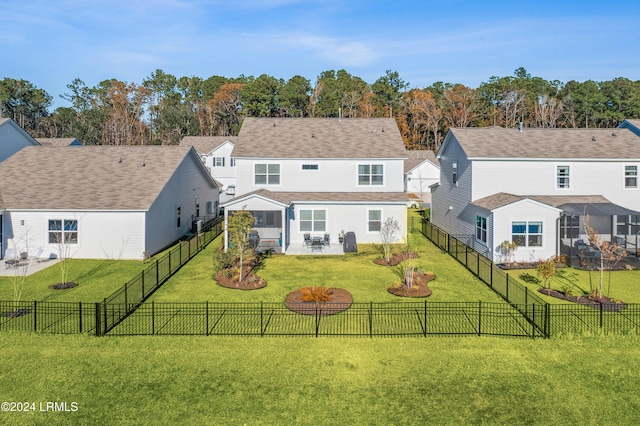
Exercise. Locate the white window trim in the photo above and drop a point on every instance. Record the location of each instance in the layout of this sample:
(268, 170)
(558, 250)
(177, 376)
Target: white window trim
(313, 210)
(526, 233)
(557, 185)
(486, 230)
(624, 179)
(367, 220)
(370, 185)
(267, 163)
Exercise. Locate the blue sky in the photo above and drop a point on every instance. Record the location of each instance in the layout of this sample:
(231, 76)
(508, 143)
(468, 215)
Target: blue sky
(50, 43)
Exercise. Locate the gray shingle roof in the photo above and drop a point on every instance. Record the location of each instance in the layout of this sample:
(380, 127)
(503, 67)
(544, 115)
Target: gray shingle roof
(501, 199)
(319, 138)
(90, 178)
(498, 142)
(55, 141)
(204, 144)
(417, 157)
(291, 197)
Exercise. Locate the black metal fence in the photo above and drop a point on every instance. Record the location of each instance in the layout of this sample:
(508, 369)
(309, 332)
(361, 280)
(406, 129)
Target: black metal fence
(556, 318)
(126, 299)
(361, 319)
(48, 317)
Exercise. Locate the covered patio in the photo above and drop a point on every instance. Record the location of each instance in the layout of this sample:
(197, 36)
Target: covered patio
(612, 223)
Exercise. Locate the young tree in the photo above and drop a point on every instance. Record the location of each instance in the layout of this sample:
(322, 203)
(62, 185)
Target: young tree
(610, 253)
(546, 269)
(238, 229)
(507, 249)
(388, 234)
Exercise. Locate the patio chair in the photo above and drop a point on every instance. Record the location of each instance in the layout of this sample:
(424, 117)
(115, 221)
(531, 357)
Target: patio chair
(11, 257)
(36, 255)
(326, 241)
(307, 240)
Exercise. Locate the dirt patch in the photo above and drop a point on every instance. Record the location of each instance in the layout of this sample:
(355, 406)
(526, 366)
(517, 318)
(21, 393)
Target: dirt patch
(396, 258)
(341, 300)
(419, 287)
(592, 301)
(63, 286)
(250, 281)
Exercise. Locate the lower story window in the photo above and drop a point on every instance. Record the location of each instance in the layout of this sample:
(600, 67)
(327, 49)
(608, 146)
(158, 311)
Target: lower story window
(375, 220)
(63, 231)
(527, 234)
(313, 220)
(481, 229)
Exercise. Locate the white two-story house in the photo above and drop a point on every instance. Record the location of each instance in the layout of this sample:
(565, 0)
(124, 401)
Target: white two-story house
(215, 153)
(317, 176)
(537, 187)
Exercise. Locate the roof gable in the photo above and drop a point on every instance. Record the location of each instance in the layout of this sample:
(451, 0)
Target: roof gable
(58, 141)
(319, 138)
(417, 157)
(205, 144)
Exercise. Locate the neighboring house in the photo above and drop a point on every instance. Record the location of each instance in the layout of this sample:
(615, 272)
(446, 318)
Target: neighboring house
(59, 142)
(536, 187)
(102, 202)
(12, 139)
(319, 175)
(633, 125)
(215, 152)
(421, 170)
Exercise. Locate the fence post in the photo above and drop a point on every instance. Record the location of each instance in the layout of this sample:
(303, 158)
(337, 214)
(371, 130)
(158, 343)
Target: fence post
(478, 265)
(104, 306)
(80, 308)
(533, 320)
(466, 255)
(547, 331)
(600, 314)
(479, 317)
(207, 316)
(126, 299)
(35, 315)
(425, 317)
(491, 275)
(507, 287)
(261, 318)
(153, 317)
(98, 322)
(370, 319)
(317, 320)
(143, 284)
(158, 271)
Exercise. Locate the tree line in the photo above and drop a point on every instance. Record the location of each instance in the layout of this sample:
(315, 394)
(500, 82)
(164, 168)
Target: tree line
(164, 108)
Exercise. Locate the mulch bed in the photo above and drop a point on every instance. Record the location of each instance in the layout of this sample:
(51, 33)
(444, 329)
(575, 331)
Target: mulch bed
(341, 301)
(607, 304)
(250, 281)
(17, 313)
(63, 286)
(419, 287)
(396, 258)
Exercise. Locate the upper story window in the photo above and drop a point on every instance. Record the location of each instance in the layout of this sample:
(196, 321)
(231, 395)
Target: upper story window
(455, 173)
(233, 162)
(178, 216)
(309, 167)
(370, 174)
(562, 177)
(218, 162)
(63, 231)
(481, 229)
(630, 176)
(267, 174)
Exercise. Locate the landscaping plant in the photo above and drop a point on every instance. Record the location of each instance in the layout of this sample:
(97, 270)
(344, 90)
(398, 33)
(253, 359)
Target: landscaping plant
(239, 226)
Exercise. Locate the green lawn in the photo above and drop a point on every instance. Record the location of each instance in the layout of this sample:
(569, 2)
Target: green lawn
(622, 285)
(324, 381)
(356, 272)
(96, 280)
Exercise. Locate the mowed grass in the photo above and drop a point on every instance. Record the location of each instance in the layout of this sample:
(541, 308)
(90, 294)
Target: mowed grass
(621, 285)
(96, 280)
(355, 272)
(322, 381)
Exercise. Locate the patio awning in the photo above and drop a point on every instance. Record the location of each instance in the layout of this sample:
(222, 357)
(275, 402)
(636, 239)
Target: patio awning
(596, 209)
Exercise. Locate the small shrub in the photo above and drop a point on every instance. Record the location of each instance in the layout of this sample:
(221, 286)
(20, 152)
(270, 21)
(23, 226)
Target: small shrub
(528, 278)
(316, 294)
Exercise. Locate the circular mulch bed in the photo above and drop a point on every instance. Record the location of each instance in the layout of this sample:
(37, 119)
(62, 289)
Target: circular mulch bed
(63, 286)
(607, 304)
(397, 258)
(419, 287)
(17, 313)
(341, 301)
(250, 281)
